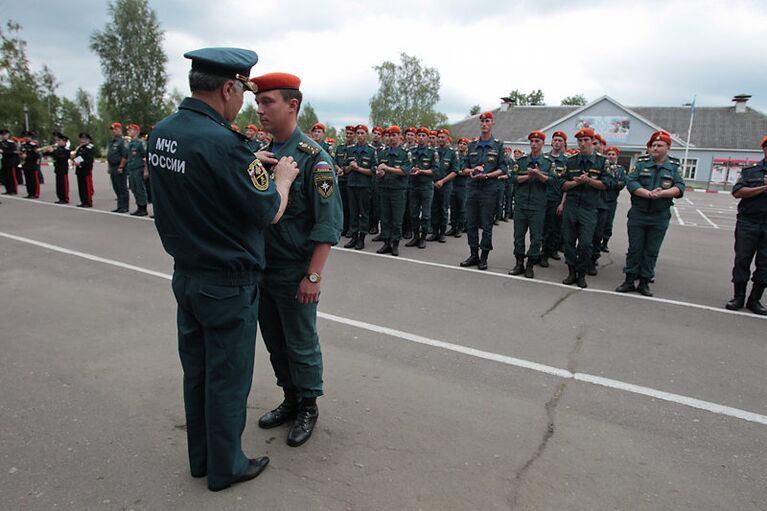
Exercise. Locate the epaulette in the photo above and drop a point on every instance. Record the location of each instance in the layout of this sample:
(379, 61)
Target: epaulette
(574, 155)
(547, 157)
(645, 157)
(313, 150)
(89, 146)
(675, 160)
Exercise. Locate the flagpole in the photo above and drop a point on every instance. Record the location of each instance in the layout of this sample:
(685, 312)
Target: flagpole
(689, 132)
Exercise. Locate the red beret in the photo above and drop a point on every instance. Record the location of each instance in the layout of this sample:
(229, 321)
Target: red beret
(585, 132)
(433, 133)
(411, 130)
(361, 127)
(378, 129)
(763, 142)
(393, 130)
(252, 127)
(423, 130)
(599, 137)
(613, 148)
(272, 81)
(115, 125)
(443, 131)
(349, 127)
(560, 134)
(662, 136)
(133, 127)
(330, 141)
(464, 140)
(536, 134)
(486, 115)
(318, 126)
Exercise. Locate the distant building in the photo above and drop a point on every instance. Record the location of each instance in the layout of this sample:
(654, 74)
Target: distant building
(723, 139)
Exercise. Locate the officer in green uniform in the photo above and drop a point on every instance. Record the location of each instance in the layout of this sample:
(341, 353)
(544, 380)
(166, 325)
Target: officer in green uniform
(444, 174)
(532, 176)
(217, 244)
(137, 169)
(751, 236)
(117, 157)
(458, 197)
(409, 145)
(586, 176)
(297, 248)
(602, 210)
(318, 136)
(611, 195)
(552, 227)
(341, 156)
(485, 161)
(393, 171)
(361, 160)
(378, 144)
(653, 183)
(425, 162)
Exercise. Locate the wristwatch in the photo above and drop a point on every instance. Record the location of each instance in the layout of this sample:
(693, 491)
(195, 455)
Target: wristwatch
(313, 277)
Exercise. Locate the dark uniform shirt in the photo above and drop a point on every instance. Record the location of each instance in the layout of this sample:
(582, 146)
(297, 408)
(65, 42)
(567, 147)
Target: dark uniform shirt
(460, 180)
(619, 183)
(87, 153)
(558, 167)
(448, 162)
(10, 153)
(425, 158)
(212, 197)
(585, 195)
(649, 175)
(395, 157)
(753, 209)
(365, 156)
(60, 157)
(32, 159)
(533, 194)
(136, 155)
(117, 151)
(489, 154)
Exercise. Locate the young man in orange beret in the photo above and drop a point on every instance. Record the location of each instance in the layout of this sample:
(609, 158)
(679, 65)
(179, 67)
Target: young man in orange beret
(117, 157)
(444, 174)
(393, 170)
(602, 211)
(458, 197)
(341, 158)
(409, 145)
(611, 196)
(361, 160)
(425, 162)
(552, 227)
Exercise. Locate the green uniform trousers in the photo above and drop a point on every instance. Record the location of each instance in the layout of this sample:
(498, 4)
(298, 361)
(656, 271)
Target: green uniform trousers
(440, 205)
(480, 210)
(458, 206)
(137, 186)
(646, 232)
(344, 189)
(528, 220)
(359, 210)
(375, 203)
(392, 213)
(596, 251)
(607, 233)
(216, 344)
(578, 226)
(289, 330)
(552, 229)
(420, 207)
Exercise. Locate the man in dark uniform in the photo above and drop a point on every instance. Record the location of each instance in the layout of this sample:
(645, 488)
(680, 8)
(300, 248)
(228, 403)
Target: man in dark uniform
(444, 174)
(611, 195)
(458, 197)
(137, 169)
(375, 192)
(297, 248)
(653, 183)
(532, 176)
(318, 136)
(751, 236)
(409, 145)
(552, 227)
(393, 171)
(117, 157)
(485, 162)
(341, 156)
(30, 164)
(425, 162)
(61, 156)
(586, 176)
(84, 157)
(217, 243)
(9, 152)
(361, 160)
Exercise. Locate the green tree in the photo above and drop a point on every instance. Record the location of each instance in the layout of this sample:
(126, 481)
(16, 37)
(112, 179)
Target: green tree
(307, 118)
(133, 62)
(474, 110)
(407, 94)
(577, 100)
(519, 98)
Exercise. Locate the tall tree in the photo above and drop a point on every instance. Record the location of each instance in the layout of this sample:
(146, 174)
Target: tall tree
(307, 118)
(577, 100)
(133, 62)
(407, 94)
(474, 110)
(534, 98)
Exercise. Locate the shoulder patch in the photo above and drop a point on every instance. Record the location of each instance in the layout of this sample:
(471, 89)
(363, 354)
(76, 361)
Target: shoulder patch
(308, 149)
(323, 166)
(324, 182)
(258, 175)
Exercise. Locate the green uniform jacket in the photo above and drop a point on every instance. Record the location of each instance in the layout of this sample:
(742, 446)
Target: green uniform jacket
(586, 196)
(136, 155)
(619, 174)
(314, 213)
(365, 156)
(559, 164)
(649, 175)
(395, 157)
(448, 162)
(460, 179)
(489, 154)
(117, 150)
(425, 158)
(532, 194)
(212, 197)
(340, 156)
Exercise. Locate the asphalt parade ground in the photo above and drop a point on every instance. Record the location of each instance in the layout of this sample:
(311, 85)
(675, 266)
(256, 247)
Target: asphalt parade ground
(446, 388)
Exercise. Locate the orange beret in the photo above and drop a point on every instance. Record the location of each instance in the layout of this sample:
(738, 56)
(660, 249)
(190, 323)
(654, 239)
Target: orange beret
(584, 133)
(427, 131)
(536, 134)
(662, 136)
(393, 130)
(361, 127)
(763, 142)
(613, 148)
(115, 125)
(349, 127)
(560, 134)
(272, 81)
(252, 127)
(599, 137)
(443, 131)
(464, 140)
(330, 141)
(318, 126)
(433, 133)
(411, 130)
(378, 129)
(486, 115)
(133, 127)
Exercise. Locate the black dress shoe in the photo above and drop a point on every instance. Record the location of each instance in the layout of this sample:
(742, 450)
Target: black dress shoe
(254, 468)
(122, 210)
(116, 210)
(287, 411)
(303, 426)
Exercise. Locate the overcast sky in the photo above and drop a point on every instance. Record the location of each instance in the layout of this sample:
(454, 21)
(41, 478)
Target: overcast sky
(641, 53)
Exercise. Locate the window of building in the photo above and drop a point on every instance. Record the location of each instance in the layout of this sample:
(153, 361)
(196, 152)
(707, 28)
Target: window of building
(690, 168)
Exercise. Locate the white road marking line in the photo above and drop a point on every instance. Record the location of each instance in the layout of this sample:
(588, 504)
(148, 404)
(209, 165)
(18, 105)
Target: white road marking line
(707, 219)
(678, 216)
(691, 402)
(688, 201)
(75, 208)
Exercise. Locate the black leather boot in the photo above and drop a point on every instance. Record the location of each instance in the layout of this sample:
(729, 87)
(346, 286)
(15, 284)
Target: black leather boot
(352, 241)
(571, 276)
(544, 261)
(754, 303)
(302, 429)
(628, 284)
(644, 287)
(395, 248)
(529, 273)
(140, 211)
(287, 411)
(472, 260)
(441, 234)
(453, 231)
(604, 248)
(414, 241)
(483, 260)
(519, 268)
(407, 234)
(555, 255)
(421, 239)
(592, 269)
(739, 298)
(360, 242)
(581, 280)
(385, 249)
(434, 236)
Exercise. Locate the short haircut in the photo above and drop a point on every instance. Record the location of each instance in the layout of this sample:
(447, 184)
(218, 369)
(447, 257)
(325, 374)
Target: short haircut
(288, 94)
(204, 82)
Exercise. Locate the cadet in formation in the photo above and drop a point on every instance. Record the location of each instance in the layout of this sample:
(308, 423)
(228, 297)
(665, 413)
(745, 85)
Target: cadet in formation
(84, 157)
(552, 227)
(444, 174)
(425, 162)
(653, 183)
(751, 236)
(458, 197)
(340, 155)
(117, 157)
(137, 169)
(611, 196)
(393, 170)
(360, 162)
(61, 157)
(9, 152)
(30, 164)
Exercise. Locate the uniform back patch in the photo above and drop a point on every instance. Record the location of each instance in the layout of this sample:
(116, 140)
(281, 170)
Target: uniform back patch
(258, 175)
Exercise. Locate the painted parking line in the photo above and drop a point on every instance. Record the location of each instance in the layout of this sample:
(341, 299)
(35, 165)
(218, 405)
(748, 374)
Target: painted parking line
(708, 406)
(678, 216)
(688, 201)
(707, 219)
